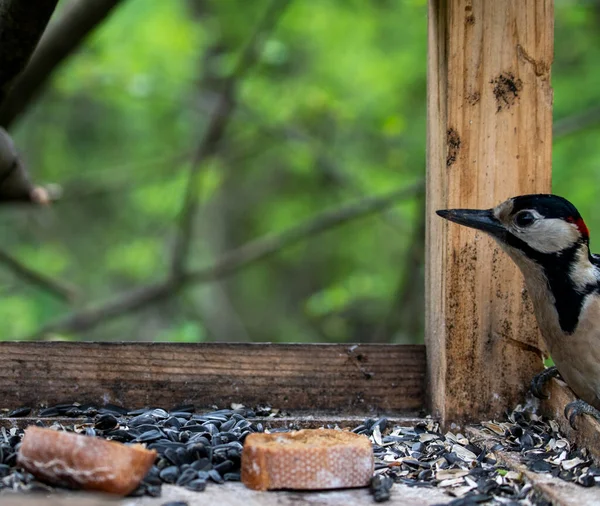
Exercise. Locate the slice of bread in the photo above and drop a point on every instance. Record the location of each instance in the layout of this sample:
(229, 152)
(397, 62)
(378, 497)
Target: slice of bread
(74, 460)
(307, 459)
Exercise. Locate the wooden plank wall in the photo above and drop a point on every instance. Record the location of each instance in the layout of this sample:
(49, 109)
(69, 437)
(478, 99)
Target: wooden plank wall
(341, 378)
(489, 138)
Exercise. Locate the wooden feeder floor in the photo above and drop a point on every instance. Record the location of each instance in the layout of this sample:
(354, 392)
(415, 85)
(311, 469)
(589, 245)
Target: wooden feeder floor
(559, 492)
(234, 494)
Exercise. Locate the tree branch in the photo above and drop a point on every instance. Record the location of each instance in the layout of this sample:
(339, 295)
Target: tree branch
(215, 130)
(61, 38)
(229, 264)
(575, 123)
(406, 312)
(264, 247)
(54, 287)
(327, 163)
(15, 184)
(21, 26)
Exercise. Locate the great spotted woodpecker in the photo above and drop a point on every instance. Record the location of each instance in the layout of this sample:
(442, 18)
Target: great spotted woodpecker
(549, 241)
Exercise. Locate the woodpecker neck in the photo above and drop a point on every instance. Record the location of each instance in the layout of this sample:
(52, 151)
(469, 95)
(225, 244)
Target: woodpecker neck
(571, 279)
(562, 279)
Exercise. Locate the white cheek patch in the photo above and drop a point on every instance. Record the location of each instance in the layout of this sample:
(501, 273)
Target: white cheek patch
(583, 273)
(548, 235)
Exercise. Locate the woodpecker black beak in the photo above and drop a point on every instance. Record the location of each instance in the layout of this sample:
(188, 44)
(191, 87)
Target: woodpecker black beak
(483, 220)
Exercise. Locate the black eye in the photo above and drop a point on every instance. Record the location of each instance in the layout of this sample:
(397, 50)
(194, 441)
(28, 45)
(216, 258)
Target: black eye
(524, 219)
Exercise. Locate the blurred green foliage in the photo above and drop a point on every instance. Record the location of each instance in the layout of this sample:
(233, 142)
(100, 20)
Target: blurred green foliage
(334, 109)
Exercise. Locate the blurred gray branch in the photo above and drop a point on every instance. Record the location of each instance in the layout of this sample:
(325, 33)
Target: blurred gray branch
(228, 264)
(408, 305)
(15, 185)
(215, 131)
(60, 40)
(326, 162)
(577, 122)
(21, 26)
(54, 287)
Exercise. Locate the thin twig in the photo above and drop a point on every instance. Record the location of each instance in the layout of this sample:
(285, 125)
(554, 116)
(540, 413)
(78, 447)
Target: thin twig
(213, 135)
(54, 287)
(406, 312)
(328, 165)
(264, 247)
(576, 123)
(227, 265)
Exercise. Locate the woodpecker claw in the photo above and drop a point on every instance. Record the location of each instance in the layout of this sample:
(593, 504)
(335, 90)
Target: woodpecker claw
(579, 407)
(539, 380)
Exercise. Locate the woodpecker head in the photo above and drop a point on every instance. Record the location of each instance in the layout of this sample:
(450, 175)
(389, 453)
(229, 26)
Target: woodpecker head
(549, 241)
(533, 224)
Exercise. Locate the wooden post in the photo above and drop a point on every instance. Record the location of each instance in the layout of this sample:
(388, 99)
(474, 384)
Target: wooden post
(489, 138)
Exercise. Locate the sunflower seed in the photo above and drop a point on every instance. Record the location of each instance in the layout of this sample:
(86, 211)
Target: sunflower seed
(170, 474)
(19, 412)
(197, 485)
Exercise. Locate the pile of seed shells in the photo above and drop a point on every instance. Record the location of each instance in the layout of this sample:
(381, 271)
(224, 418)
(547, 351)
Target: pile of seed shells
(421, 456)
(196, 449)
(543, 448)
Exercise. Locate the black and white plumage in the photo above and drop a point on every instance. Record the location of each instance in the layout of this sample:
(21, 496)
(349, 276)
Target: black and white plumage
(549, 241)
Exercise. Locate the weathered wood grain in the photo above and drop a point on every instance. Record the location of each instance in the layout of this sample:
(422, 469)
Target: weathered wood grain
(587, 434)
(355, 378)
(234, 494)
(489, 138)
(58, 499)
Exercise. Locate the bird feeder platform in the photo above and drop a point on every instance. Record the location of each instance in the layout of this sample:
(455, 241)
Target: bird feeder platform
(489, 138)
(315, 385)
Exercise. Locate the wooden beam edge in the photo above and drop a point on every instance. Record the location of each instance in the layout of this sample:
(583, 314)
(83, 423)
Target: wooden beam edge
(587, 433)
(291, 421)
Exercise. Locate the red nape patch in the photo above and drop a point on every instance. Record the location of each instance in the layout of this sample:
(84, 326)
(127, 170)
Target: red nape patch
(583, 230)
